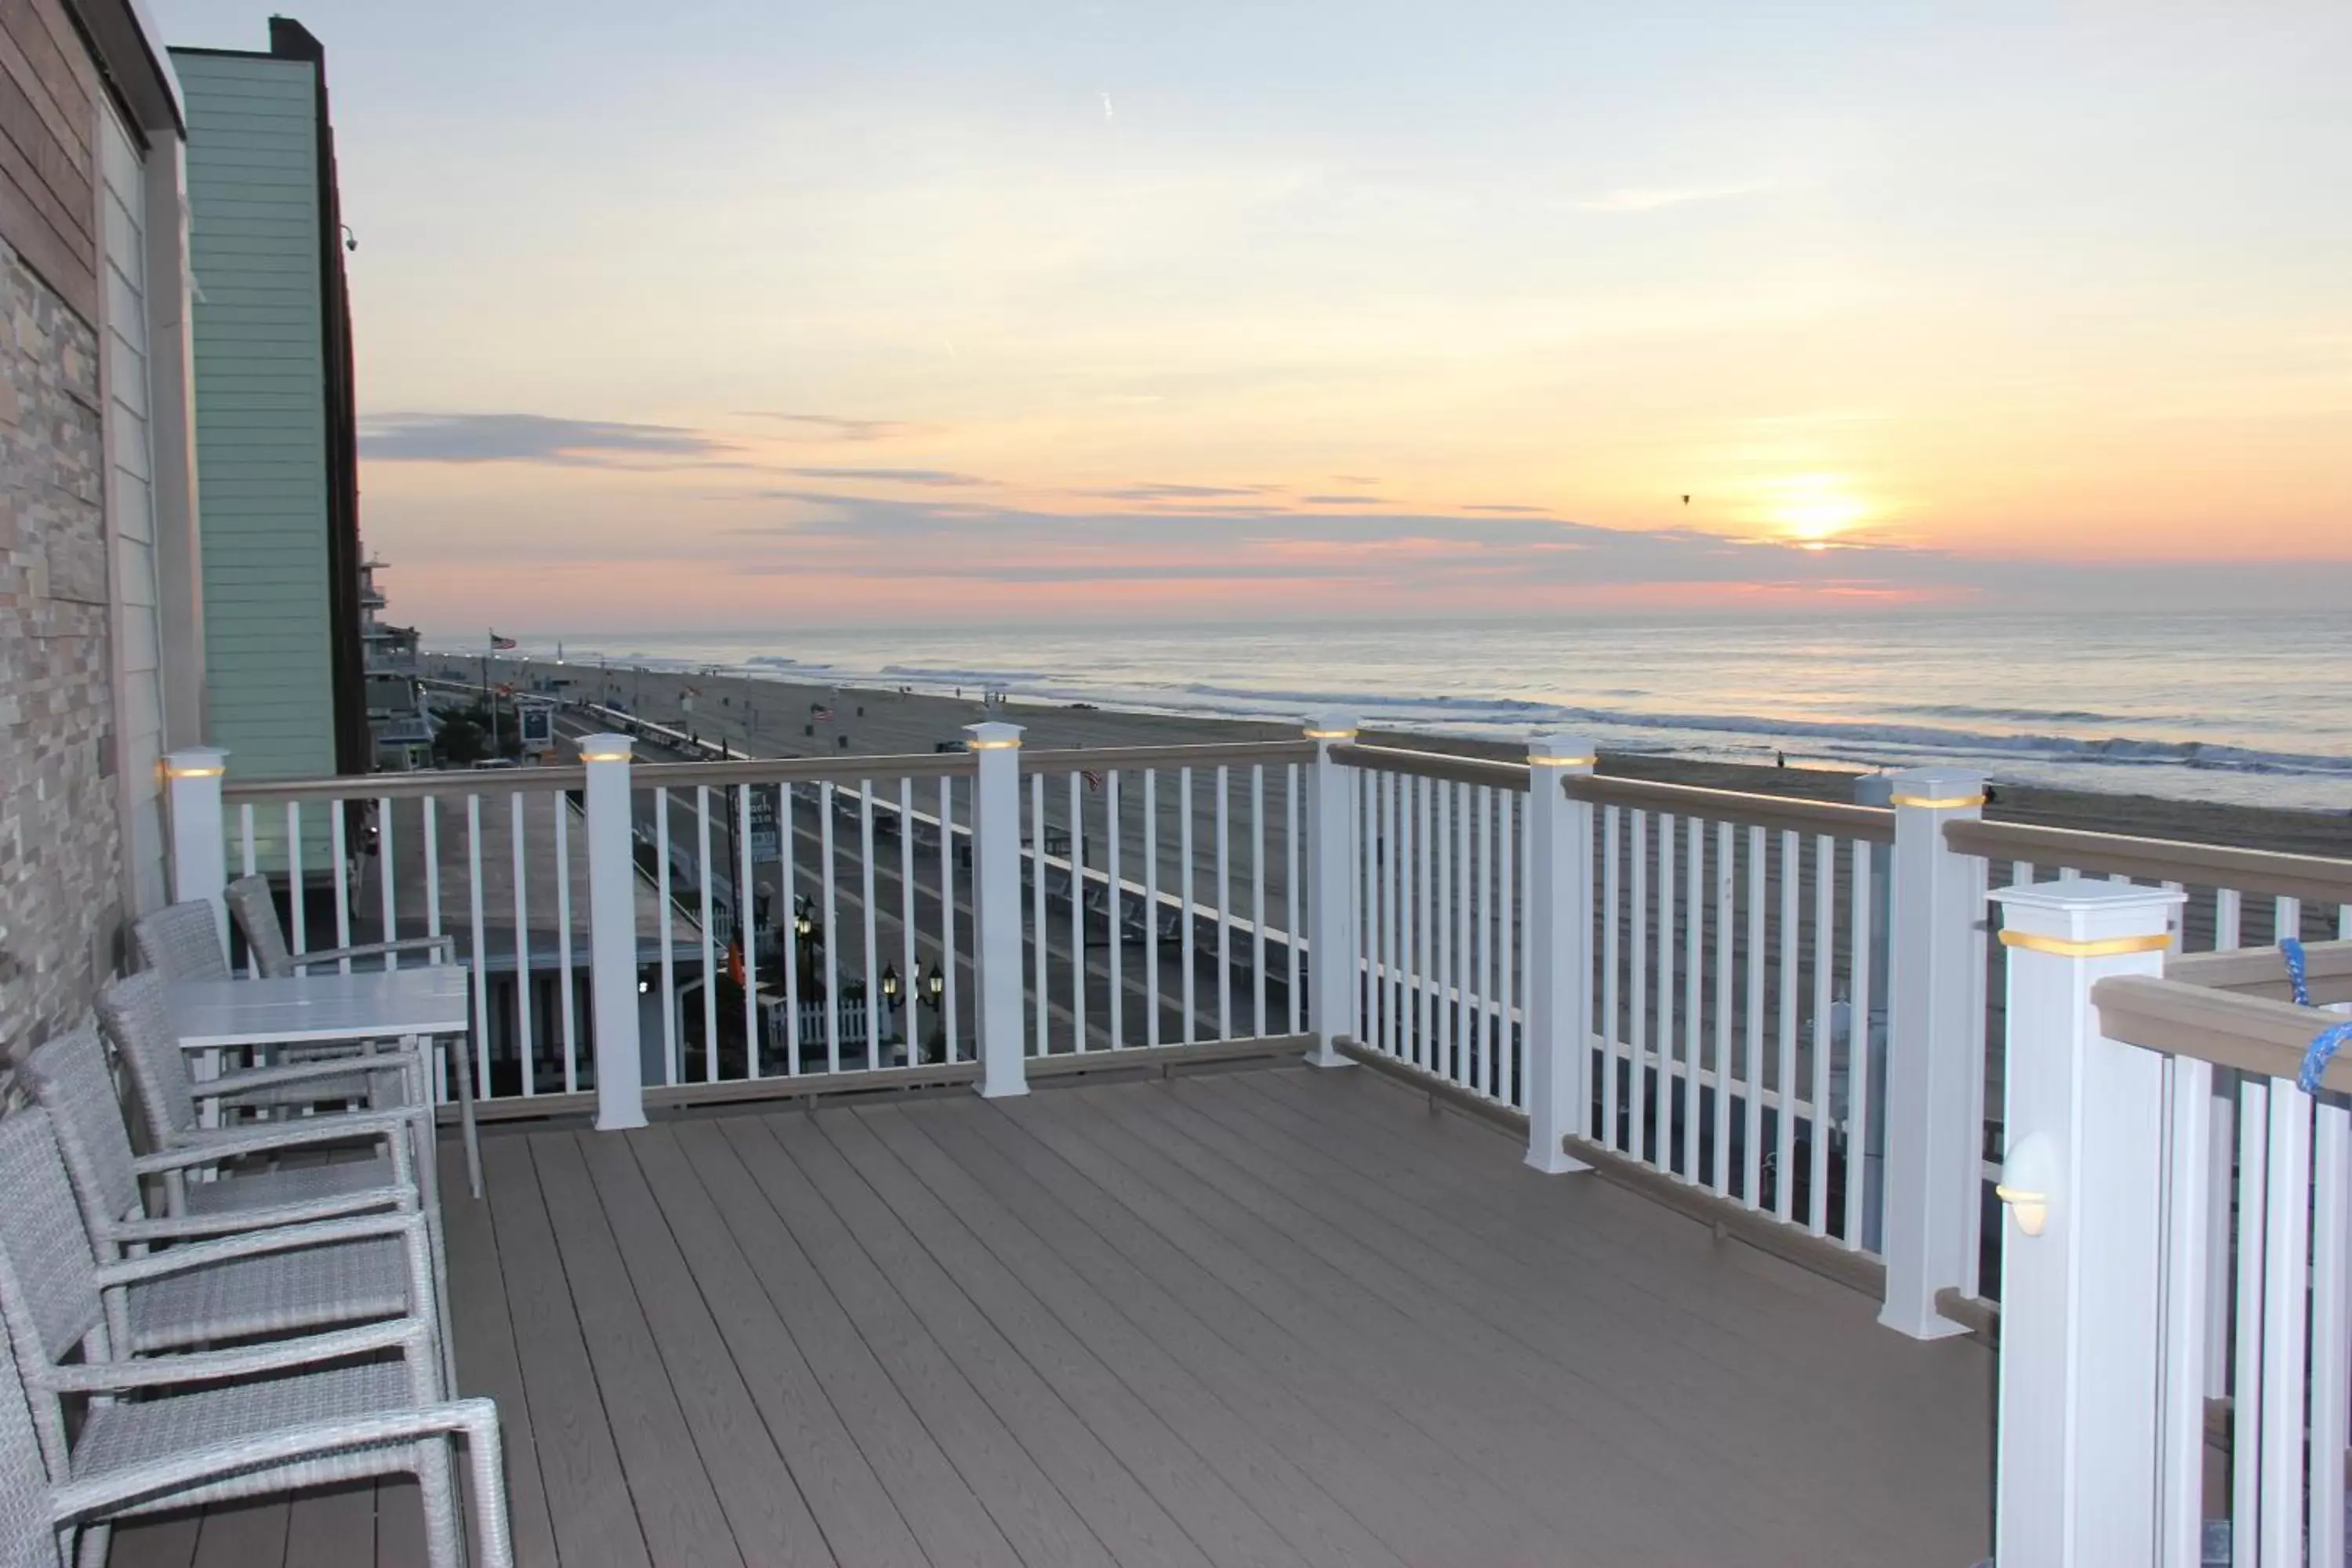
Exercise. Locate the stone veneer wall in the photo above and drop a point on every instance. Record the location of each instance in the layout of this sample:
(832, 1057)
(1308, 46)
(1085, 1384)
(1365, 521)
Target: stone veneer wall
(60, 845)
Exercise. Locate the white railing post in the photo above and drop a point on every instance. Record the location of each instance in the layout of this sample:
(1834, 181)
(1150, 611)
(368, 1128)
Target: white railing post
(612, 934)
(996, 906)
(2082, 1184)
(199, 837)
(1332, 960)
(1935, 1073)
(1560, 953)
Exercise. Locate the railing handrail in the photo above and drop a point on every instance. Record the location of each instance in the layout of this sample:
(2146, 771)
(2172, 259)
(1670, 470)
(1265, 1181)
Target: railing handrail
(2228, 1028)
(1432, 766)
(414, 785)
(2261, 972)
(1066, 759)
(1872, 823)
(2318, 879)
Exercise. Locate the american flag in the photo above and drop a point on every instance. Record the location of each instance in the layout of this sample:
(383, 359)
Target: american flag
(499, 644)
(1094, 779)
(821, 715)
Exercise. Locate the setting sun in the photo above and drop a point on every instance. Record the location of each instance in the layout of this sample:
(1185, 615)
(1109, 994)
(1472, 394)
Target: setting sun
(1812, 507)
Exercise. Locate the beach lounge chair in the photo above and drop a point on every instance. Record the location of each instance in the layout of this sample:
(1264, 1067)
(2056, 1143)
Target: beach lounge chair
(209, 1425)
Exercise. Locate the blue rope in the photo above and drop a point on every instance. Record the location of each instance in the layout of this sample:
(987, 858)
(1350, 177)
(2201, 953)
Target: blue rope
(2328, 1041)
(2322, 1051)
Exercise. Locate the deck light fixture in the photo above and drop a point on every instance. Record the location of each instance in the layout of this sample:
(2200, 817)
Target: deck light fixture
(2028, 1177)
(207, 770)
(1949, 803)
(1584, 762)
(977, 745)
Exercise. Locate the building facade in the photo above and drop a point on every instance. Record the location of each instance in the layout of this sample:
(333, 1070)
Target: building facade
(274, 425)
(101, 624)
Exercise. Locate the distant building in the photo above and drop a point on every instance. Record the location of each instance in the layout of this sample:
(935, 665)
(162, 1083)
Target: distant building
(401, 733)
(275, 421)
(101, 624)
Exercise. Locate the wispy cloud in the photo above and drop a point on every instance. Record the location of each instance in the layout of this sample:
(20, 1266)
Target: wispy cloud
(1650, 198)
(836, 428)
(1503, 507)
(1345, 500)
(894, 475)
(531, 439)
(1176, 492)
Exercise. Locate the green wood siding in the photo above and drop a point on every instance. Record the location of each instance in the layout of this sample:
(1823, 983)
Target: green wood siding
(261, 413)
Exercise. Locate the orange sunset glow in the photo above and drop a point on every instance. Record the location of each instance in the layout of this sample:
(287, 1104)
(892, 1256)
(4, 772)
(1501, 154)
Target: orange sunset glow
(1162, 313)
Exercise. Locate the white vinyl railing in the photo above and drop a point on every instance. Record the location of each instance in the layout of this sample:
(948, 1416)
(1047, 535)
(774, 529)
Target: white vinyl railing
(2142, 1409)
(771, 920)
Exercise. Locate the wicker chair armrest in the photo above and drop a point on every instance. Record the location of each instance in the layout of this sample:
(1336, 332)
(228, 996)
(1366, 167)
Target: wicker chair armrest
(235, 1221)
(446, 946)
(237, 1143)
(245, 1081)
(477, 1418)
(411, 1334)
(257, 1244)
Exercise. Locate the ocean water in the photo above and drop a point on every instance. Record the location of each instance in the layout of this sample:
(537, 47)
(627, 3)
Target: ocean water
(2255, 711)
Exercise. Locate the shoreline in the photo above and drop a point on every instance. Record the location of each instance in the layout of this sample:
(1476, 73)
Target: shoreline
(775, 716)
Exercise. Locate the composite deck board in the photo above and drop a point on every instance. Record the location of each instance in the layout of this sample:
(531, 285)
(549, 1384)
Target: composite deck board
(1717, 1407)
(1575, 1471)
(1739, 1400)
(333, 1524)
(242, 1535)
(1131, 1527)
(763, 1507)
(964, 1235)
(773, 1345)
(1808, 1323)
(1268, 1317)
(399, 1528)
(877, 1357)
(588, 1500)
(676, 1505)
(1293, 1392)
(487, 1363)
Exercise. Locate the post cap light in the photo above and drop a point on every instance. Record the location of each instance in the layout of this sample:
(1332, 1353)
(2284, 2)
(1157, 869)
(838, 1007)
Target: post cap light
(2029, 1182)
(196, 762)
(1938, 789)
(606, 748)
(993, 737)
(1332, 726)
(1561, 752)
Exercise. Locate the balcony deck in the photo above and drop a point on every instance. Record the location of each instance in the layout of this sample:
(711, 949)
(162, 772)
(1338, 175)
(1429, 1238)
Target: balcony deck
(1261, 1317)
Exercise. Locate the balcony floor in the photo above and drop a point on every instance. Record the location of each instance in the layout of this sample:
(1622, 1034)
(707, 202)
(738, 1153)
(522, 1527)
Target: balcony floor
(1265, 1317)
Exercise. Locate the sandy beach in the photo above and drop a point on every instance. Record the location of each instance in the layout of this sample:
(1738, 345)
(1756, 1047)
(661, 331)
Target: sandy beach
(769, 717)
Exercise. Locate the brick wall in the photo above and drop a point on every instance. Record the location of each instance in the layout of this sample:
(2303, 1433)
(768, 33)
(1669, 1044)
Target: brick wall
(60, 849)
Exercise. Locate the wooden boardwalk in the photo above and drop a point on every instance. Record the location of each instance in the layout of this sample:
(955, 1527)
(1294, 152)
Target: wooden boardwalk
(1252, 1318)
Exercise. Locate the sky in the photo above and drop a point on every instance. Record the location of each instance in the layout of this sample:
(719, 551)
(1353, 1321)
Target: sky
(749, 316)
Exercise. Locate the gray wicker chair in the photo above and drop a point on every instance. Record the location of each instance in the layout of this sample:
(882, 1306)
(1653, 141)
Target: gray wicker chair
(255, 909)
(69, 1078)
(134, 1013)
(212, 1425)
(353, 1270)
(182, 942)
